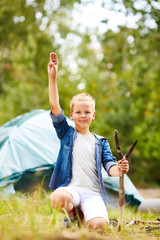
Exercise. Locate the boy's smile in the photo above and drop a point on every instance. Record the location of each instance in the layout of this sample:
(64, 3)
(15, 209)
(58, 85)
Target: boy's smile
(82, 115)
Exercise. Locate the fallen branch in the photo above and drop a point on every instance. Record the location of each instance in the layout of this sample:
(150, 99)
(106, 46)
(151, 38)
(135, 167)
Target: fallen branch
(149, 228)
(129, 223)
(137, 222)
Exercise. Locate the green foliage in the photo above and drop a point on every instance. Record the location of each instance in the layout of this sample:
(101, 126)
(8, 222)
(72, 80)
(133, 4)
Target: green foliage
(32, 217)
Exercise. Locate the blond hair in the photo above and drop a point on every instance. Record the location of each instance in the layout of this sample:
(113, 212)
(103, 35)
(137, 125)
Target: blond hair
(82, 97)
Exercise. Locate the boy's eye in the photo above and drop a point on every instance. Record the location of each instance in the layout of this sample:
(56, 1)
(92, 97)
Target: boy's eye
(87, 112)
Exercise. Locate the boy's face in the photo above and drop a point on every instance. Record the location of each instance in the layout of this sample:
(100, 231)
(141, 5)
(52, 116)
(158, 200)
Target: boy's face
(82, 114)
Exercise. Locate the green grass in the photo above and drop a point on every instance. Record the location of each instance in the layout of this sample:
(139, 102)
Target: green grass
(32, 217)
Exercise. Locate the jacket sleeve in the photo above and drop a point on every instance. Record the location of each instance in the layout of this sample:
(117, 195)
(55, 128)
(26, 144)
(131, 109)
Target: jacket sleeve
(60, 124)
(108, 160)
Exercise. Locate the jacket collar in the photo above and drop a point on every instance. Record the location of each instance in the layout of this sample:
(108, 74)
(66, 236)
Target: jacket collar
(98, 137)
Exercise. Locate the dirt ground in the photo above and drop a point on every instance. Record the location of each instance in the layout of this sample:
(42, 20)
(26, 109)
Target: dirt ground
(149, 193)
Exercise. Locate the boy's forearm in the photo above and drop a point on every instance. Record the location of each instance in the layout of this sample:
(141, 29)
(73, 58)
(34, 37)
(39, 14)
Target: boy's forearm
(53, 89)
(114, 171)
(54, 96)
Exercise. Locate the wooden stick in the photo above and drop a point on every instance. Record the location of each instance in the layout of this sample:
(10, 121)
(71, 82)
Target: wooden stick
(131, 149)
(121, 178)
(121, 183)
(117, 144)
(121, 198)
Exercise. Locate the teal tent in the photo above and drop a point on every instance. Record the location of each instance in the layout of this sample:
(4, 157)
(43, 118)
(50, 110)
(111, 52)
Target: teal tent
(28, 151)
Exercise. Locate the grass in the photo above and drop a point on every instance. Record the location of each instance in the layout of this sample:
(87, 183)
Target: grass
(31, 217)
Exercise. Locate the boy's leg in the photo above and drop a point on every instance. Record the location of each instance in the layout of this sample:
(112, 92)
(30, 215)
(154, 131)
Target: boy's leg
(97, 223)
(65, 197)
(62, 199)
(95, 212)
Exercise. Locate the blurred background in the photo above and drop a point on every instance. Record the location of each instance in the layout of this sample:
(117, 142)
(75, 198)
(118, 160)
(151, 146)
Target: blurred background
(109, 48)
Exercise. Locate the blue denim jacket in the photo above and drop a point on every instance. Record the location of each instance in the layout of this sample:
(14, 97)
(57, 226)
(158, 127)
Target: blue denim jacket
(62, 173)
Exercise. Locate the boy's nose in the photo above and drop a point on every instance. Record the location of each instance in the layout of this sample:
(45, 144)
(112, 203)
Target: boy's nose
(83, 115)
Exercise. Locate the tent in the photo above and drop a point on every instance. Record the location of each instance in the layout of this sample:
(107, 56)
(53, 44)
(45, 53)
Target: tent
(28, 151)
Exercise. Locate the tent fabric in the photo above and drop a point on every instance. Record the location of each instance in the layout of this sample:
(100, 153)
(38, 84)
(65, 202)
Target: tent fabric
(150, 205)
(131, 193)
(28, 143)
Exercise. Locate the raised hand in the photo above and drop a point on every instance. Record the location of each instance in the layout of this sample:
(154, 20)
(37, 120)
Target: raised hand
(53, 65)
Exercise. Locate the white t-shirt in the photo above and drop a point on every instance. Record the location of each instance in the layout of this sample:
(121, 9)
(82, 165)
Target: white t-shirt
(84, 171)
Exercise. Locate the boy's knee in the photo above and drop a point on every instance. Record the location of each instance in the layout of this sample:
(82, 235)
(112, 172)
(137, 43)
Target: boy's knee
(97, 223)
(61, 199)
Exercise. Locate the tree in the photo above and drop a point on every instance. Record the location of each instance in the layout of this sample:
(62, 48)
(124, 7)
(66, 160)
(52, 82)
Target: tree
(131, 61)
(29, 31)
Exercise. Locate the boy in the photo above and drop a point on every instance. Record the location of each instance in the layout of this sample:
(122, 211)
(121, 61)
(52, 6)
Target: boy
(77, 179)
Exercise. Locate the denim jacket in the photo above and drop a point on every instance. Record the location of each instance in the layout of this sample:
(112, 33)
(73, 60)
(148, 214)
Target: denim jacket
(62, 173)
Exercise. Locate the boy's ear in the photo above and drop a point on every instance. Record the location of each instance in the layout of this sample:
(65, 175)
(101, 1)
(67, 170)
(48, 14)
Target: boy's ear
(71, 115)
(93, 116)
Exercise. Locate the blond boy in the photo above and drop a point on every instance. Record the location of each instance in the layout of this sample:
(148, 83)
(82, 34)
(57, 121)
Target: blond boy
(77, 179)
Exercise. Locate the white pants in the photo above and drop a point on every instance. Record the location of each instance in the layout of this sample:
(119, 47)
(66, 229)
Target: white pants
(91, 203)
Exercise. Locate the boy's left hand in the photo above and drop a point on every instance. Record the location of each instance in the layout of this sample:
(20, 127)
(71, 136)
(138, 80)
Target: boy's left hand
(123, 165)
